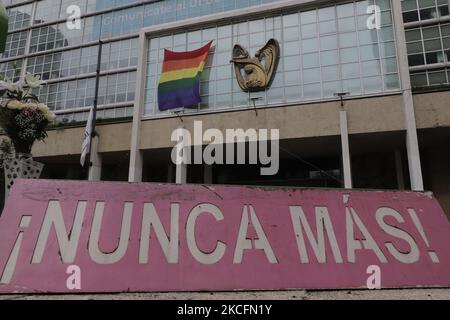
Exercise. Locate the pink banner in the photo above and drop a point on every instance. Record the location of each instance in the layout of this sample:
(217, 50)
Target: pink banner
(66, 236)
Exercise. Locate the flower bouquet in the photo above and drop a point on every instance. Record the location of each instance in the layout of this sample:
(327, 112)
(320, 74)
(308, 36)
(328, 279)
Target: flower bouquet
(24, 120)
(22, 117)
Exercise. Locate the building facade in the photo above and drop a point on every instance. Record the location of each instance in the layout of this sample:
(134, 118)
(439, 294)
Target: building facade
(391, 131)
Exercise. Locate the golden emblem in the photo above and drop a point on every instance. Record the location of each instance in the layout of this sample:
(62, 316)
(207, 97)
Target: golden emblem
(256, 74)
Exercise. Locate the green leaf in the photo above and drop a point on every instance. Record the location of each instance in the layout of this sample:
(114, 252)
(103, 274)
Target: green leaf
(32, 97)
(3, 27)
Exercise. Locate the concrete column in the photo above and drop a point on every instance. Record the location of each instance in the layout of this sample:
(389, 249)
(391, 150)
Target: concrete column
(95, 168)
(345, 150)
(136, 157)
(136, 165)
(207, 174)
(412, 143)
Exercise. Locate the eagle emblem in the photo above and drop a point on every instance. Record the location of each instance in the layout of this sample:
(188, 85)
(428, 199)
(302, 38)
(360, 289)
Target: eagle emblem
(257, 73)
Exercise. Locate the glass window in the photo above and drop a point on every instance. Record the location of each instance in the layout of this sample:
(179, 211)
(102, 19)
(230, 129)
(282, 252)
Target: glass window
(19, 17)
(371, 68)
(392, 82)
(347, 24)
(329, 57)
(322, 52)
(330, 89)
(330, 73)
(309, 31)
(414, 47)
(416, 60)
(369, 52)
(310, 60)
(292, 63)
(350, 70)
(353, 86)
(311, 75)
(290, 20)
(308, 17)
(419, 80)
(409, 5)
(426, 9)
(428, 45)
(349, 55)
(372, 84)
(293, 93)
(348, 40)
(413, 34)
(390, 65)
(291, 48)
(47, 11)
(346, 10)
(368, 37)
(309, 45)
(292, 77)
(11, 69)
(436, 78)
(15, 44)
(327, 13)
(327, 27)
(410, 16)
(312, 91)
(328, 42)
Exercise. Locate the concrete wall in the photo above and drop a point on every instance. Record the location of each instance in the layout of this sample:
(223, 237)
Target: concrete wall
(432, 109)
(369, 115)
(376, 114)
(113, 137)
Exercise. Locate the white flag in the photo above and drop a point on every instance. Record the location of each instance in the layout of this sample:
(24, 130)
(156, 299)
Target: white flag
(86, 137)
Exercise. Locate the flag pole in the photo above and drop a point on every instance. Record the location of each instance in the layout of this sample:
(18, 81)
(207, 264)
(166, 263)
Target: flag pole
(97, 83)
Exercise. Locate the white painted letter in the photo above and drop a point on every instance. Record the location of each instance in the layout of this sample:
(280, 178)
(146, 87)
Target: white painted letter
(243, 243)
(67, 245)
(219, 251)
(322, 222)
(94, 251)
(410, 257)
(169, 247)
(352, 244)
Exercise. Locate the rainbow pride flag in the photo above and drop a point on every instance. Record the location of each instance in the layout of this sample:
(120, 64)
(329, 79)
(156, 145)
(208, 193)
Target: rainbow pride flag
(179, 85)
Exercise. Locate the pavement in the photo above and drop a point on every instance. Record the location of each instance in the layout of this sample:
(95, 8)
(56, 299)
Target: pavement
(394, 294)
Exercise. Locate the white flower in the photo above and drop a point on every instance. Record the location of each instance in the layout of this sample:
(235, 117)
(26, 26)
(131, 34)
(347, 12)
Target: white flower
(31, 105)
(15, 104)
(43, 108)
(50, 116)
(33, 81)
(10, 86)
